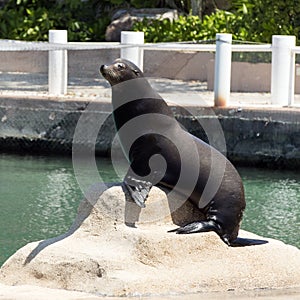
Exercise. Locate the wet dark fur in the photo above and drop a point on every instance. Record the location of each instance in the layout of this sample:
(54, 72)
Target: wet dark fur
(224, 212)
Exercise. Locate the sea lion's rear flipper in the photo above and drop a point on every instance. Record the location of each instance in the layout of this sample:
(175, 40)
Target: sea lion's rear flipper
(199, 226)
(205, 226)
(242, 242)
(138, 189)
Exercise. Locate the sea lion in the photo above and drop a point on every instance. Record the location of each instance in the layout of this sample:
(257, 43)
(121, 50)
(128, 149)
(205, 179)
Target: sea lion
(154, 133)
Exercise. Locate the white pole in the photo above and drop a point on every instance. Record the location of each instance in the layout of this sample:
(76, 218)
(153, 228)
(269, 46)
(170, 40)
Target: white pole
(222, 69)
(134, 54)
(58, 64)
(283, 70)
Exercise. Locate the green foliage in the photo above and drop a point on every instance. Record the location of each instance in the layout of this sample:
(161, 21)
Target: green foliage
(190, 28)
(247, 20)
(131, 3)
(32, 19)
(264, 18)
(144, 3)
(85, 20)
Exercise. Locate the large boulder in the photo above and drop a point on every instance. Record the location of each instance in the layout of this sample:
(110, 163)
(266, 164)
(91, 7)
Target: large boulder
(123, 20)
(116, 249)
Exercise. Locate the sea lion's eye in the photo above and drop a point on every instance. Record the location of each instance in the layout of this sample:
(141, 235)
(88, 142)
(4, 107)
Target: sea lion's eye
(120, 66)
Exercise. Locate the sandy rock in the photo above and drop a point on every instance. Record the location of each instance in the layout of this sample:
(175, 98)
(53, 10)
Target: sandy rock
(29, 292)
(116, 249)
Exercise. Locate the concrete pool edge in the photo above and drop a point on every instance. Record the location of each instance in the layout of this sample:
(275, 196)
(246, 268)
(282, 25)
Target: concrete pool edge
(255, 136)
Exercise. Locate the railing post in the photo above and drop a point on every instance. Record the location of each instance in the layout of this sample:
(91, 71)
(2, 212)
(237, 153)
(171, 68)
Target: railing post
(283, 70)
(134, 54)
(222, 69)
(58, 64)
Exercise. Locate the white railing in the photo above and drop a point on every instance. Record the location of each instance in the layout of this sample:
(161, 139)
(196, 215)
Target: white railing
(283, 70)
(132, 47)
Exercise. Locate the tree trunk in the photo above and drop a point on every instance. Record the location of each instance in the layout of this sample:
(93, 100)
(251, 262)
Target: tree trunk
(196, 6)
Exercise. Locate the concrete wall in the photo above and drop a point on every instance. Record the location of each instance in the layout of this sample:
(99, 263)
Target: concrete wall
(24, 61)
(253, 137)
(246, 77)
(177, 65)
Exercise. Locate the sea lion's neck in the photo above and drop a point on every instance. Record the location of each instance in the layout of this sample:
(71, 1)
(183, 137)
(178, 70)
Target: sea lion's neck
(134, 98)
(130, 90)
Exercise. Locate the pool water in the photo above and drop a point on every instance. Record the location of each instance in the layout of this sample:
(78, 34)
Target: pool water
(39, 197)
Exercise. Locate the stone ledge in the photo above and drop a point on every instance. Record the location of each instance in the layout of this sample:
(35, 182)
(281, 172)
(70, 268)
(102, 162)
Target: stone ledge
(262, 137)
(101, 255)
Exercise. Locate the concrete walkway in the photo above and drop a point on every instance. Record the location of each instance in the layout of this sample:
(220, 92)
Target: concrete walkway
(185, 93)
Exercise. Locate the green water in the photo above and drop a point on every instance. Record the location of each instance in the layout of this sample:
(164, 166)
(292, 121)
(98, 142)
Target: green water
(39, 197)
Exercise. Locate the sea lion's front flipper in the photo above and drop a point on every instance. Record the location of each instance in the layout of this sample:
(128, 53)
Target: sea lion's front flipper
(138, 189)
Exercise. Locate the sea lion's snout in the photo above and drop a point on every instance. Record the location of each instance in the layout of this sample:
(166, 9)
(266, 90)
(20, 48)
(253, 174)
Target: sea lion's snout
(102, 69)
(105, 70)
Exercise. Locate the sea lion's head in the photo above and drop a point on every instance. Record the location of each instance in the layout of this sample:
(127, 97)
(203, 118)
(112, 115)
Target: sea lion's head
(120, 70)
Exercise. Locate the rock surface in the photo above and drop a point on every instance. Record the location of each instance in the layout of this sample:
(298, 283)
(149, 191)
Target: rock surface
(124, 19)
(101, 254)
(30, 292)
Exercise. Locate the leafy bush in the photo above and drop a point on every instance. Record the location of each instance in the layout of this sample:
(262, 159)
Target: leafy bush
(264, 18)
(85, 20)
(32, 19)
(190, 28)
(247, 20)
